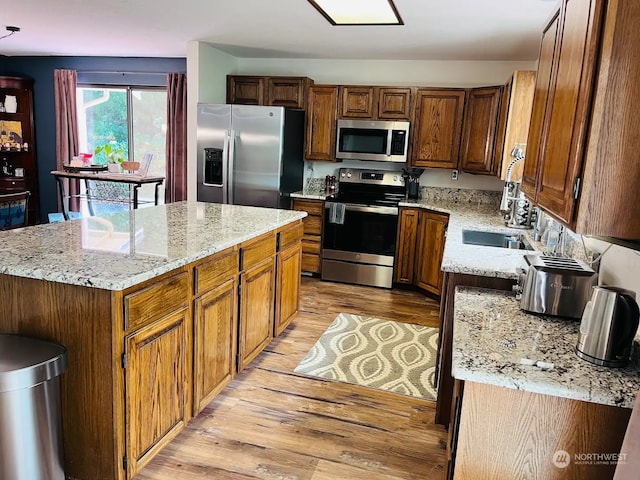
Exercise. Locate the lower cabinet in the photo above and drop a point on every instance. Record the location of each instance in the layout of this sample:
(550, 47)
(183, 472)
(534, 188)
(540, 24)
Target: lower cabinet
(257, 296)
(156, 387)
(288, 266)
(312, 239)
(419, 249)
(215, 341)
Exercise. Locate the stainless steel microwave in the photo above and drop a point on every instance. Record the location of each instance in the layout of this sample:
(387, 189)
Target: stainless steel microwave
(369, 140)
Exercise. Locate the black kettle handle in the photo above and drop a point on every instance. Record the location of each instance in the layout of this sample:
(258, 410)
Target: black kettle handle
(632, 314)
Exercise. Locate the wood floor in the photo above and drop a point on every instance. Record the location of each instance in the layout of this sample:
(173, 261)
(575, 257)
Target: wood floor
(270, 423)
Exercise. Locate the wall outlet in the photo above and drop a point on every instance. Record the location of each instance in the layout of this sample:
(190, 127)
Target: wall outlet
(454, 174)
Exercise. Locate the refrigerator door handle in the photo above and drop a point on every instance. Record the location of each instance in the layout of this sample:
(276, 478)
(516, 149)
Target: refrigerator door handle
(225, 167)
(232, 156)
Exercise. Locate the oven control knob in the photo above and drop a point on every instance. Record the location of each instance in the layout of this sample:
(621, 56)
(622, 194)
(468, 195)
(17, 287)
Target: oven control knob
(342, 174)
(395, 178)
(348, 174)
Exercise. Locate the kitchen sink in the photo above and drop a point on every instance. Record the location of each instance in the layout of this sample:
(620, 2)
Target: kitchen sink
(495, 239)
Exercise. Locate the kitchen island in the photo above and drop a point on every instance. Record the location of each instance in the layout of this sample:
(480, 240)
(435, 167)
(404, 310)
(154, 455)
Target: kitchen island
(158, 308)
(543, 398)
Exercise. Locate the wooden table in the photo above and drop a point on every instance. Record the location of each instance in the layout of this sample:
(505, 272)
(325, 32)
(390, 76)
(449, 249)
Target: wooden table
(131, 179)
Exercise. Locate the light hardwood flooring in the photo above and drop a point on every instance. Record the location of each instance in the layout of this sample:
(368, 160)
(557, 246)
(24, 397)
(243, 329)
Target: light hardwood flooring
(270, 423)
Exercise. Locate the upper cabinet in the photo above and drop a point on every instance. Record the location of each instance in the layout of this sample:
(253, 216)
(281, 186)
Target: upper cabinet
(375, 103)
(437, 127)
(356, 102)
(478, 135)
(320, 132)
(17, 143)
(260, 90)
(513, 120)
(581, 164)
(394, 103)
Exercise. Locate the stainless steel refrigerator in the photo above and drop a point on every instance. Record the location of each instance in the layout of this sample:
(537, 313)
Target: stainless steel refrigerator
(249, 155)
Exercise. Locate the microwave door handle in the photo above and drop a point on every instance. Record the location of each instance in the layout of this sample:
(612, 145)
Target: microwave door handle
(389, 139)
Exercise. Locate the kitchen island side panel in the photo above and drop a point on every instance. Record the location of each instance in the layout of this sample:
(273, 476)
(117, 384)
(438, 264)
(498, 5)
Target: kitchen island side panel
(80, 319)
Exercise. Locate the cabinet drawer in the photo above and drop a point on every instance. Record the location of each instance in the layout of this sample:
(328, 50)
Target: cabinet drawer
(212, 272)
(311, 245)
(290, 235)
(312, 207)
(312, 225)
(155, 301)
(255, 251)
(310, 263)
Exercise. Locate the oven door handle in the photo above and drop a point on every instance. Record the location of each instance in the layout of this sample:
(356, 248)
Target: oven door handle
(353, 207)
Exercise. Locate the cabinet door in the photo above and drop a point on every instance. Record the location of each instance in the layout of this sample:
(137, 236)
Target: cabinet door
(288, 268)
(565, 139)
(431, 238)
(541, 96)
(320, 136)
(478, 137)
(406, 246)
(286, 91)
(312, 239)
(245, 90)
(156, 383)
(437, 128)
(394, 103)
(356, 102)
(215, 341)
(256, 311)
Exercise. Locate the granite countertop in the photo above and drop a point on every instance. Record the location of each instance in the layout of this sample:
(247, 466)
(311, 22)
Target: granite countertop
(312, 193)
(492, 336)
(475, 259)
(114, 252)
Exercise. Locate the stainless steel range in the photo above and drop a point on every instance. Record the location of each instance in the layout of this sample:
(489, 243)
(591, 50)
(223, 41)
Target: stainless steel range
(360, 225)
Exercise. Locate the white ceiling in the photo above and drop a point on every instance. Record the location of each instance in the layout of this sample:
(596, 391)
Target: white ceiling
(433, 30)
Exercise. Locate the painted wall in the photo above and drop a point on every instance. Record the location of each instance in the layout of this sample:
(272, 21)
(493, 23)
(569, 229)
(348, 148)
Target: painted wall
(111, 70)
(619, 266)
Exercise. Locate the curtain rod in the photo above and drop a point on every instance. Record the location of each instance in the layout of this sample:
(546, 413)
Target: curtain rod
(120, 72)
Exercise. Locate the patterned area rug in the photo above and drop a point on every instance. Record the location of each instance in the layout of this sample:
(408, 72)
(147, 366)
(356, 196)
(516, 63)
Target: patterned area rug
(367, 351)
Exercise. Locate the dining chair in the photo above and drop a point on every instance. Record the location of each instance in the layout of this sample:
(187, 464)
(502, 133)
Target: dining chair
(14, 210)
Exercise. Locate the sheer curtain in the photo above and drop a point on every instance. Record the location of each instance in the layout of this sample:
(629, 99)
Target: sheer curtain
(64, 87)
(176, 182)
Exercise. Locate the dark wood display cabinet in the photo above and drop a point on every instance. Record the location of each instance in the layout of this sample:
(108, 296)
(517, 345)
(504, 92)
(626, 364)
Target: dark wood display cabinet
(17, 142)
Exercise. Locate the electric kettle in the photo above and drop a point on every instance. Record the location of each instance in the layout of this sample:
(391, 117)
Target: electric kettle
(608, 327)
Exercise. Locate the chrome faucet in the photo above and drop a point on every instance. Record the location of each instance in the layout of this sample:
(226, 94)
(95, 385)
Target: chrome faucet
(516, 209)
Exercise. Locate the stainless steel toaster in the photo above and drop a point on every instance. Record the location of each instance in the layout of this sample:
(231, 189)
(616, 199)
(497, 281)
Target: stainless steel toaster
(555, 286)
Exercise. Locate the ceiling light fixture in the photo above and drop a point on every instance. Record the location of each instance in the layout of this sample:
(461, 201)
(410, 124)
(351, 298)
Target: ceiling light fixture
(10, 29)
(358, 12)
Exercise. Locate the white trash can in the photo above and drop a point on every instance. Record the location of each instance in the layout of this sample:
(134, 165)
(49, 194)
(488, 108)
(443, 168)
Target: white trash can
(30, 421)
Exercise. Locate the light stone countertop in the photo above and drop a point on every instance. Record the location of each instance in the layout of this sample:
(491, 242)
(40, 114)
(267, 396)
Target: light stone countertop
(114, 252)
(491, 335)
(312, 193)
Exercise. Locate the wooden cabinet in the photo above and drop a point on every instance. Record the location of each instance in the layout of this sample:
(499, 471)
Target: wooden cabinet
(288, 270)
(320, 132)
(582, 170)
(419, 249)
(156, 387)
(262, 90)
(245, 90)
(19, 129)
(494, 421)
(559, 156)
(437, 127)
(312, 238)
(357, 102)
(406, 245)
(478, 135)
(513, 120)
(215, 332)
(394, 103)
(257, 293)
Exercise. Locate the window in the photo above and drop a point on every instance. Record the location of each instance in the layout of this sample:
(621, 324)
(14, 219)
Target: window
(132, 120)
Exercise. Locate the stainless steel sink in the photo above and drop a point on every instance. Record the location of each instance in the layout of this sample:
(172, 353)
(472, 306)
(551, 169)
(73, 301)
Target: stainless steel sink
(495, 239)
